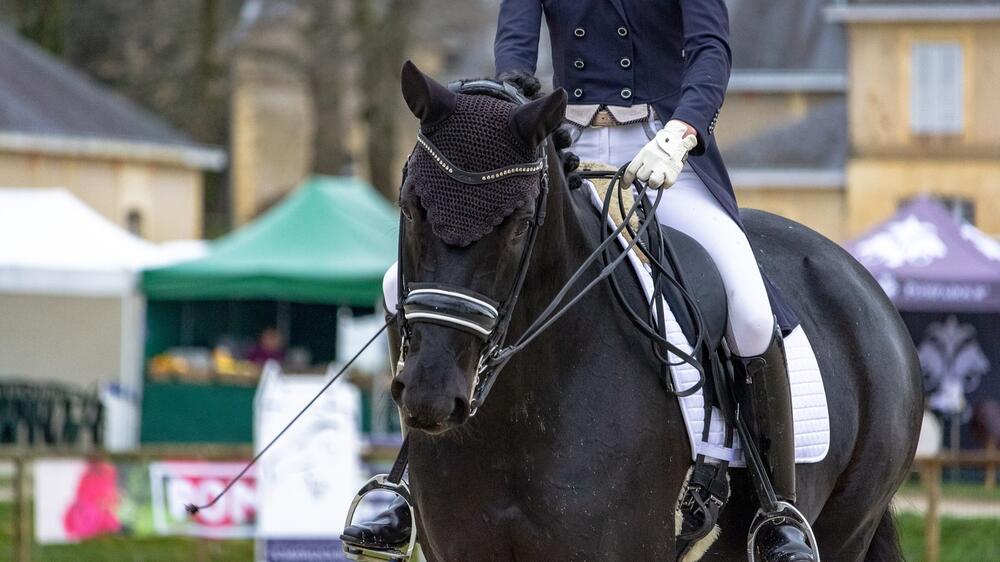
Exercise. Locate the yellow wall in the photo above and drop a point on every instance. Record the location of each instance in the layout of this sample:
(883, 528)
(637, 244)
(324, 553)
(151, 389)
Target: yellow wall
(823, 210)
(879, 185)
(891, 164)
(879, 91)
(168, 198)
(272, 132)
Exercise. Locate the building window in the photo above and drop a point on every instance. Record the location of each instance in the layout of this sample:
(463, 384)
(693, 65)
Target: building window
(133, 222)
(936, 88)
(961, 209)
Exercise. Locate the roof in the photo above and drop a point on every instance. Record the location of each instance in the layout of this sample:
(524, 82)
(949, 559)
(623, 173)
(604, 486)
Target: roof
(52, 243)
(896, 11)
(928, 262)
(830, 82)
(330, 241)
(814, 147)
(788, 35)
(48, 106)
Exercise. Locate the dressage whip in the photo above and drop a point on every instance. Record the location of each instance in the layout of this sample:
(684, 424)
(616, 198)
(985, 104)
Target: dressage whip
(193, 509)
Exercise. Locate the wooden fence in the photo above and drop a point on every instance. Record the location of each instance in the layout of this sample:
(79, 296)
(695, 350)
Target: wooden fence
(931, 471)
(21, 459)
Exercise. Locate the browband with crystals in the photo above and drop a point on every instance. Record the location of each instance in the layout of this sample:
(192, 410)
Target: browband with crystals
(476, 178)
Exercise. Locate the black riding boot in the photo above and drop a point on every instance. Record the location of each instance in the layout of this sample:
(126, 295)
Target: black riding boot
(766, 396)
(389, 529)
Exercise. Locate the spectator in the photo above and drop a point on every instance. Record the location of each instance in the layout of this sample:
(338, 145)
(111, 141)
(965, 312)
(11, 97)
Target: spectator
(270, 345)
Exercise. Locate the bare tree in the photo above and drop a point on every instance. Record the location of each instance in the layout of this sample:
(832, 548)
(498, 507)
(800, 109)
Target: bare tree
(42, 21)
(384, 29)
(331, 86)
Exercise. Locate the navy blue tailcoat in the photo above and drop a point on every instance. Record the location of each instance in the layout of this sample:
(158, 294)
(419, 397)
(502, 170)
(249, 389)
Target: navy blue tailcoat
(671, 54)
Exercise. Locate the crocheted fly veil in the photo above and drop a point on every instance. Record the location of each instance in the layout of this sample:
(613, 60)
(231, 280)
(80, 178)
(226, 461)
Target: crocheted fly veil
(475, 137)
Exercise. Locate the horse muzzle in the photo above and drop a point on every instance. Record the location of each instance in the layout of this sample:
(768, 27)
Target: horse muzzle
(431, 384)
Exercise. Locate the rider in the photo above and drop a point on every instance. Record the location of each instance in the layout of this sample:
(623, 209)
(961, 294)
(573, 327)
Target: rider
(646, 82)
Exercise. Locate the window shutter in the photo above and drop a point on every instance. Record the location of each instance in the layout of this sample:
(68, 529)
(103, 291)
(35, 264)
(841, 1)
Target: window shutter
(936, 88)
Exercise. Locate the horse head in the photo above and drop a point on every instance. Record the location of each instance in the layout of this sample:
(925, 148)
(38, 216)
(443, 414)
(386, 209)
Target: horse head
(471, 198)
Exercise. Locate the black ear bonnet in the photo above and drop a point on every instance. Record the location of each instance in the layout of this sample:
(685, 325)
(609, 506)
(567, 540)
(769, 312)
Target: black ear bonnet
(474, 137)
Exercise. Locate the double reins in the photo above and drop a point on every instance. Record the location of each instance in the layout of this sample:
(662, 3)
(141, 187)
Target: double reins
(554, 311)
(491, 320)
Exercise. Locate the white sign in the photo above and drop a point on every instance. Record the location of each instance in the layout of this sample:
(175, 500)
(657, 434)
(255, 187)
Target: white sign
(74, 500)
(176, 484)
(309, 477)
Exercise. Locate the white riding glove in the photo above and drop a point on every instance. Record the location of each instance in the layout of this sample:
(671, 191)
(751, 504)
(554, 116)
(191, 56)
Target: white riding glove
(659, 163)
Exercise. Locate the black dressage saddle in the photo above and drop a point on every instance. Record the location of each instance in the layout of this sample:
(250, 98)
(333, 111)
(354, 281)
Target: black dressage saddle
(703, 282)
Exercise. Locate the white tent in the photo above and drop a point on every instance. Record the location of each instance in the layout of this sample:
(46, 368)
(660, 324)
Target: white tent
(51, 243)
(69, 309)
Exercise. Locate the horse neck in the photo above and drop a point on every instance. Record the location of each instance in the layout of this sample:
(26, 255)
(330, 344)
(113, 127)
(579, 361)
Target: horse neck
(559, 250)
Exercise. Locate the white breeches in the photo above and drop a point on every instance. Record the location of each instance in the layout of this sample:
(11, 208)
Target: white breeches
(691, 208)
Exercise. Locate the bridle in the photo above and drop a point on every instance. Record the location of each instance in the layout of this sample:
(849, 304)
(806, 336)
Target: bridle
(459, 308)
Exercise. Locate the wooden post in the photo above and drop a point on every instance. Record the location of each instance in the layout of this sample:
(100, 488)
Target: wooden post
(991, 469)
(22, 527)
(931, 476)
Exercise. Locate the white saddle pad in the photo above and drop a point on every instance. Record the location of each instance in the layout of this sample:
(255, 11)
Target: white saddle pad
(810, 415)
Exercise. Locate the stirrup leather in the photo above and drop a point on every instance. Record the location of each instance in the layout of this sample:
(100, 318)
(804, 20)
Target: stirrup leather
(703, 496)
(382, 554)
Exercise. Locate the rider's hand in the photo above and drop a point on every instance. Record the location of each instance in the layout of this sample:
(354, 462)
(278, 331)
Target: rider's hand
(659, 163)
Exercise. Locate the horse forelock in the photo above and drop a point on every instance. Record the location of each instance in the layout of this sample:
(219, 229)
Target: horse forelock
(476, 137)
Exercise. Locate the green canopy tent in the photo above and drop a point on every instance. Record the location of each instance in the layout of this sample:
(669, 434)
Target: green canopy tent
(327, 245)
(331, 242)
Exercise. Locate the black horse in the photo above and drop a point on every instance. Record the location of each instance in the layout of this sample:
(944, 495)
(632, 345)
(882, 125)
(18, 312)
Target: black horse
(579, 453)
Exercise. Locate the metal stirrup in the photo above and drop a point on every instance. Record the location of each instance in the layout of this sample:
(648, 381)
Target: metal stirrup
(362, 554)
(786, 514)
(394, 483)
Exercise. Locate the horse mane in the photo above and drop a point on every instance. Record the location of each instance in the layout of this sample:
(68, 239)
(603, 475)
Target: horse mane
(531, 87)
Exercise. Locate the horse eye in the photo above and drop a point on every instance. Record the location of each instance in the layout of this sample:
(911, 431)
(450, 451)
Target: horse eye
(522, 227)
(407, 214)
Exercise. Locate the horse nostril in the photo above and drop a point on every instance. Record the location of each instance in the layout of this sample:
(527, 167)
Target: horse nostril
(460, 412)
(396, 390)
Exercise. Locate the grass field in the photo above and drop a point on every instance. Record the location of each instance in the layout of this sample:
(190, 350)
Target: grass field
(962, 540)
(972, 491)
(122, 549)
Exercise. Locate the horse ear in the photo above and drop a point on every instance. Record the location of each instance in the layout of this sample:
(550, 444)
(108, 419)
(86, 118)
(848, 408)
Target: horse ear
(535, 120)
(429, 101)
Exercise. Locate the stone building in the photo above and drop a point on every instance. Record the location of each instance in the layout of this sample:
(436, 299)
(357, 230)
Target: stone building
(838, 112)
(924, 112)
(272, 105)
(59, 128)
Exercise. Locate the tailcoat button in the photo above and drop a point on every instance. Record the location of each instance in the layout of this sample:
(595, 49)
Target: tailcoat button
(625, 62)
(626, 93)
(579, 32)
(578, 63)
(578, 93)
(623, 31)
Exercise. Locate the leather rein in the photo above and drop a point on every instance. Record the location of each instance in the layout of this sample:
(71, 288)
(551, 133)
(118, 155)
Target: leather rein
(469, 311)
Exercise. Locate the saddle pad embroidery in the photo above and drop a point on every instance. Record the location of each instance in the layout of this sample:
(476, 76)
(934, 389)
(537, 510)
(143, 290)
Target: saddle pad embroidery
(810, 417)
